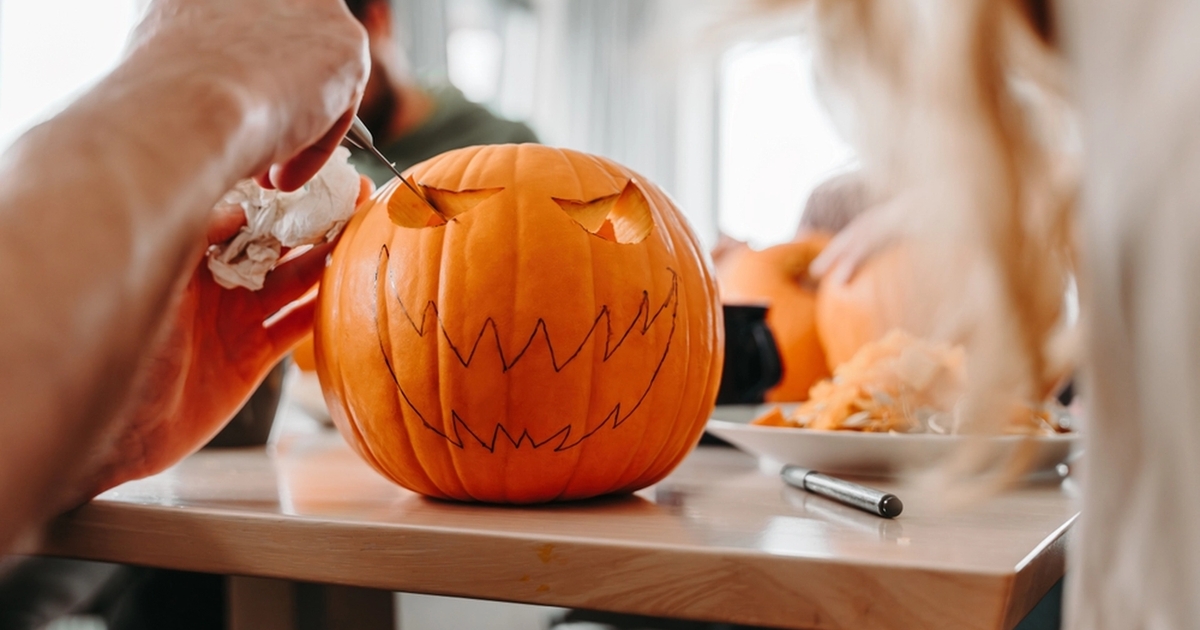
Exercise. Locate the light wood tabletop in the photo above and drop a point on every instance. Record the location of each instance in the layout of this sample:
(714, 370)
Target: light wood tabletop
(717, 540)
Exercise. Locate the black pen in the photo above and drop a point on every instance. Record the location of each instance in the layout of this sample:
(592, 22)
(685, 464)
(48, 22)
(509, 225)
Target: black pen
(866, 499)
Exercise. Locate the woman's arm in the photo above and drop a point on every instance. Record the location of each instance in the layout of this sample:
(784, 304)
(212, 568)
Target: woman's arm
(104, 209)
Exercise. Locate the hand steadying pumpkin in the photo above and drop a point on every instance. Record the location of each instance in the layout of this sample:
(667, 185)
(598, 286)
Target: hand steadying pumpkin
(220, 346)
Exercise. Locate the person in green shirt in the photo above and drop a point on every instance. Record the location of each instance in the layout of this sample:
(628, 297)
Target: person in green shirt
(412, 123)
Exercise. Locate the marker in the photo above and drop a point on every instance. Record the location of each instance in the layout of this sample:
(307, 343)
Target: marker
(845, 492)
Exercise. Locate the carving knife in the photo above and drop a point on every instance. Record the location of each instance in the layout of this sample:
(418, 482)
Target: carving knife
(359, 137)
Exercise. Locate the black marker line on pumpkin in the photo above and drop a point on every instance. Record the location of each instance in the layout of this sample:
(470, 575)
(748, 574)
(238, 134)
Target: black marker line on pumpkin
(643, 314)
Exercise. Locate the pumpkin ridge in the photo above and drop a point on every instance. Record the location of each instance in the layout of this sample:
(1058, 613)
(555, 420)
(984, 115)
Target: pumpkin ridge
(592, 394)
(385, 257)
(666, 350)
(352, 423)
(381, 290)
(652, 463)
(666, 460)
(336, 377)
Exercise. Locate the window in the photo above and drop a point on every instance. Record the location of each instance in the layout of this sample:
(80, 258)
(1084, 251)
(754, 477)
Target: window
(51, 51)
(775, 141)
(473, 57)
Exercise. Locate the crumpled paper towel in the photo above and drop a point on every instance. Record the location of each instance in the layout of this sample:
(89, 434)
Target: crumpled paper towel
(311, 214)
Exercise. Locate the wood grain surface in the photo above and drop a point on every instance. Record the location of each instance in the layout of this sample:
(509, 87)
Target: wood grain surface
(717, 540)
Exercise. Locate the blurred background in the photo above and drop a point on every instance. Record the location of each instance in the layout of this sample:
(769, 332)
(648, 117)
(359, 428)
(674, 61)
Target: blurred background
(711, 99)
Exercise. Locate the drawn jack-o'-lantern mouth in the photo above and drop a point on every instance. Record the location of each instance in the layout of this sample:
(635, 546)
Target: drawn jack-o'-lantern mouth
(613, 331)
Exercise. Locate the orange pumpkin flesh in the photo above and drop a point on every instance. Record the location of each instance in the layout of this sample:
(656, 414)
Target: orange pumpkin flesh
(559, 338)
(778, 277)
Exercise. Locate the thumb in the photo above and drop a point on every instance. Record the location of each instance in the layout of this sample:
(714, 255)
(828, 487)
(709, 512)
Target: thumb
(300, 168)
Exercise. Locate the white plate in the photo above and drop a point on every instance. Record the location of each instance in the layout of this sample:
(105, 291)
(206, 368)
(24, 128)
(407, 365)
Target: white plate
(878, 454)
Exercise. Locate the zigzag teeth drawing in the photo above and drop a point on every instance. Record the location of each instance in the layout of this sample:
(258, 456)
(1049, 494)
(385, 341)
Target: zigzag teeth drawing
(499, 430)
(643, 314)
(613, 419)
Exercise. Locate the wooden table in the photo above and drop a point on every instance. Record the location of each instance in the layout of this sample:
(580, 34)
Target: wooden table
(717, 540)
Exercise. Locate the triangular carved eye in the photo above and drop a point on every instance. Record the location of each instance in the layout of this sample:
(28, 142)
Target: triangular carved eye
(621, 218)
(406, 209)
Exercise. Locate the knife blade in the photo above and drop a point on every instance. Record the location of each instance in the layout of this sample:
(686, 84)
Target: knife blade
(360, 137)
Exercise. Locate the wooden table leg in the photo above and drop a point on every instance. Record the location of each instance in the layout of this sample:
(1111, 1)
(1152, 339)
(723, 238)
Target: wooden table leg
(269, 604)
(260, 603)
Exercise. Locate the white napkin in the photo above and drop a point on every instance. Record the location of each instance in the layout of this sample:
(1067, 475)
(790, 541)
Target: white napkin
(311, 214)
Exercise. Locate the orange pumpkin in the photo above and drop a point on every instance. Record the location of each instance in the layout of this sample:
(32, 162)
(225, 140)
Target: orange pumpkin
(558, 337)
(305, 355)
(877, 299)
(778, 277)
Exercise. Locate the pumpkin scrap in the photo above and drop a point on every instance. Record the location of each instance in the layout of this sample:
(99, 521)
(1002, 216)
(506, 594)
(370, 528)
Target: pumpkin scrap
(900, 384)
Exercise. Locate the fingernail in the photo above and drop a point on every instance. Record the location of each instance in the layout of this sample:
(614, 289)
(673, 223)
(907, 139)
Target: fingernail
(264, 180)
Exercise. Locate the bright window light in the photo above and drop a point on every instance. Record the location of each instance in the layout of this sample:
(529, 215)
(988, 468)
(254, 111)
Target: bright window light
(51, 51)
(473, 57)
(775, 141)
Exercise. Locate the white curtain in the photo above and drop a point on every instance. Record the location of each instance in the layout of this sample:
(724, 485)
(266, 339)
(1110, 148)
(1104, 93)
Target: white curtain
(602, 87)
(636, 81)
(421, 31)
(632, 80)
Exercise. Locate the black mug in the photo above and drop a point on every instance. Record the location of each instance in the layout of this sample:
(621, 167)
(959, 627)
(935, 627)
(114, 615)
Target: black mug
(752, 363)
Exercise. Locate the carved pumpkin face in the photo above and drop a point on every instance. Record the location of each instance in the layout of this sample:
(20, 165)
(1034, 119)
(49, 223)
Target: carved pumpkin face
(558, 337)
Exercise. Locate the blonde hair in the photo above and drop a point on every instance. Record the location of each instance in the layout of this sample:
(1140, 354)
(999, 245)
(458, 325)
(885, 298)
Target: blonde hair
(958, 112)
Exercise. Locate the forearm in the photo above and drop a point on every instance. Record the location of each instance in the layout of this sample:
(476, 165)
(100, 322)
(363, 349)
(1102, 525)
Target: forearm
(101, 214)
